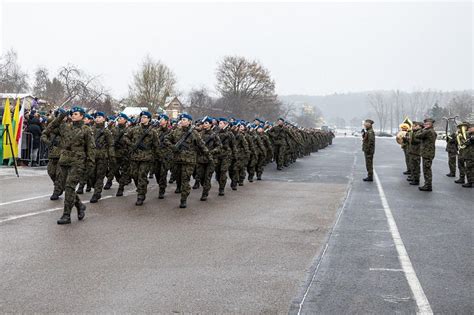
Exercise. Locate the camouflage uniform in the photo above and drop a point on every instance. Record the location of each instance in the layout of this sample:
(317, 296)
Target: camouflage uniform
(162, 161)
(205, 167)
(368, 147)
(262, 152)
(144, 143)
(242, 155)
(52, 139)
(104, 153)
(428, 148)
(121, 167)
(77, 149)
(185, 156)
(469, 159)
(279, 136)
(253, 157)
(414, 151)
(224, 158)
(452, 149)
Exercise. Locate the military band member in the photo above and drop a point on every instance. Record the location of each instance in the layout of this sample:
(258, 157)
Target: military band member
(368, 147)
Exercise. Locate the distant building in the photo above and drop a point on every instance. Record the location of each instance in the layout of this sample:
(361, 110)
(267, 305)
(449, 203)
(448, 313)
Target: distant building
(134, 111)
(25, 98)
(173, 107)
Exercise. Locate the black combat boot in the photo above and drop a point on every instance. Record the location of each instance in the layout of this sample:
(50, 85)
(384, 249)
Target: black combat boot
(425, 188)
(65, 219)
(467, 185)
(80, 189)
(415, 182)
(183, 203)
(108, 185)
(221, 192)
(250, 179)
(409, 178)
(178, 190)
(119, 192)
(279, 168)
(54, 196)
(150, 176)
(196, 185)
(233, 185)
(95, 198)
(81, 211)
(140, 200)
(368, 179)
(460, 180)
(451, 175)
(161, 193)
(259, 176)
(204, 197)
(241, 183)
(406, 173)
(88, 188)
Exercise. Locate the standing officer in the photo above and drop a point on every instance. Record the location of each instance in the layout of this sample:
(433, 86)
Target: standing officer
(452, 149)
(368, 147)
(77, 149)
(428, 147)
(144, 144)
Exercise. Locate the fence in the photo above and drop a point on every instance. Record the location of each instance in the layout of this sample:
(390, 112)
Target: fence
(29, 155)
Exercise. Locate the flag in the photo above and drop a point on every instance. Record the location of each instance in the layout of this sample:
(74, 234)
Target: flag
(16, 121)
(8, 130)
(19, 127)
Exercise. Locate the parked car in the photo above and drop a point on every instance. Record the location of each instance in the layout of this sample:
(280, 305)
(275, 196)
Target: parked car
(441, 135)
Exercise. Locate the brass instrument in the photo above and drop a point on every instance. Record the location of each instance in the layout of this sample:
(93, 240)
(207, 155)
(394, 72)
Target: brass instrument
(406, 127)
(461, 137)
(401, 136)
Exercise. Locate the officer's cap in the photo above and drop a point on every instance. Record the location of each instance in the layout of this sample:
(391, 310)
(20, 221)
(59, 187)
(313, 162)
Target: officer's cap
(370, 121)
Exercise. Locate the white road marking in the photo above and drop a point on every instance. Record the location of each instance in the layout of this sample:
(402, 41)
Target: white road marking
(21, 200)
(384, 269)
(405, 262)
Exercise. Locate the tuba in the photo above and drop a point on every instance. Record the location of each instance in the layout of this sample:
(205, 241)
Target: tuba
(405, 127)
(461, 137)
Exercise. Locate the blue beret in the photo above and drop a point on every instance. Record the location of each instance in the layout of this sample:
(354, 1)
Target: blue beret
(164, 116)
(185, 115)
(97, 114)
(223, 119)
(78, 109)
(281, 119)
(111, 117)
(260, 126)
(145, 113)
(88, 116)
(123, 115)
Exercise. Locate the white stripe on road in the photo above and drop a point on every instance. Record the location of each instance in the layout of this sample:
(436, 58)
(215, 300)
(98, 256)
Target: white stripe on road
(384, 269)
(405, 262)
(21, 200)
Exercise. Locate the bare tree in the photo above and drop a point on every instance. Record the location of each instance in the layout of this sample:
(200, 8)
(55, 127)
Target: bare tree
(152, 84)
(461, 105)
(247, 88)
(12, 78)
(380, 106)
(201, 103)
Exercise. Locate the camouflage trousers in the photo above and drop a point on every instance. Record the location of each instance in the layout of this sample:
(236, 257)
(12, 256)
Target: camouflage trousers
(469, 167)
(87, 176)
(415, 161)
(122, 171)
(160, 169)
(54, 173)
(427, 174)
(251, 165)
(242, 170)
(369, 164)
(407, 158)
(70, 176)
(236, 168)
(184, 171)
(139, 172)
(98, 175)
(204, 173)
(222, 167)
(462, 167)
(260, 165)
(279, 155)
(452, 157)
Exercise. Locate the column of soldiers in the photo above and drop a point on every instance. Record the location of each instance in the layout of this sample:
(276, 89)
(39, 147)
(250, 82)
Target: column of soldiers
(460, 148)
(85, 151)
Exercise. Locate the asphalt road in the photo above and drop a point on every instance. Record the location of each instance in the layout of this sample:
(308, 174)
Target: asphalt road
(312, 239)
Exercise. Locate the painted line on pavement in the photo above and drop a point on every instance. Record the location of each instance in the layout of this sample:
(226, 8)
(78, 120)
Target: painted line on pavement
(384, 269)
(405, 262)
(22, 200)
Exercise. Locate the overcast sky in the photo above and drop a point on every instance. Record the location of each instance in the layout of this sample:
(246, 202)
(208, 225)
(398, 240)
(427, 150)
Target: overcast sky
(310, 48)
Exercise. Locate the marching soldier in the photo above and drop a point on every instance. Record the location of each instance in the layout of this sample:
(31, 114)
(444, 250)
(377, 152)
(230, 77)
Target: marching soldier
(77, 148)
(185, 143)
(121, 168)
(165, 155)
(144, 144)
(104, 154)
(227, 153)
(86, 178)
(368, 147)
(428, 148)
(237, 172)
(279, 134)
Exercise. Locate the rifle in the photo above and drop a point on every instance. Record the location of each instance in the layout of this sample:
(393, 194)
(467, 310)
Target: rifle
(100, 134)
(139, 144)
(181, 141)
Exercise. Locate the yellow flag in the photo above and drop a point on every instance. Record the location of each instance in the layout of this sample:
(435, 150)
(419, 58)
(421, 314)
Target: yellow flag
(16, 120)
(8, 131)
